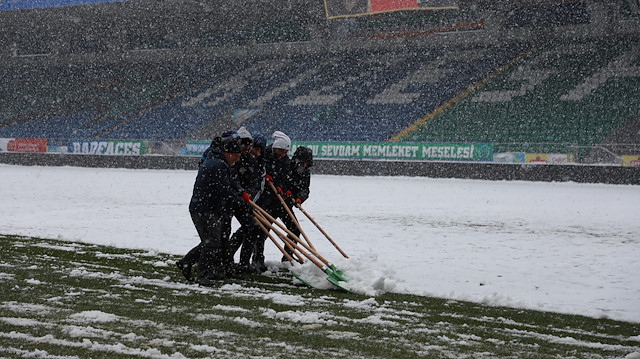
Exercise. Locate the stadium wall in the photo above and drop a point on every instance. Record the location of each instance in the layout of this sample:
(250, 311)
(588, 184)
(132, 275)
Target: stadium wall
(480, 171)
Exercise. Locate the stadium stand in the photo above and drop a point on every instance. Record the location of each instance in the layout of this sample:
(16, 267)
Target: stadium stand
(549, 14)
(555, 97)
(630, 9)
(72, 102)
(526, 76)
(363, 96)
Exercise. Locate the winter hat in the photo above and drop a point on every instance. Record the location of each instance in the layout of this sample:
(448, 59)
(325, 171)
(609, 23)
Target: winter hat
(245, 137)
(259, 141)
(229, 142)
(303, 154)
(243, 133)
(280, 140)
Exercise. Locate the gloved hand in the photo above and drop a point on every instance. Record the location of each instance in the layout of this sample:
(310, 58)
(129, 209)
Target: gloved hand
(268, 178)
(246, 197)
(288, 195)
(280, 191)
(298, 201)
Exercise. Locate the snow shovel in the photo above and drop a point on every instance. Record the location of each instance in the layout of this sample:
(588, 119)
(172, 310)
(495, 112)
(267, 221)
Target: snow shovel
(321, 230)
(293, 218)
(258, 218)
(287, 242)
(333, 277)
(337, 272)
(334, 274)
(255, 218)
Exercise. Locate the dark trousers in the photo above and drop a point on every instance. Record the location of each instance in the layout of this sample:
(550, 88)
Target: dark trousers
(193, 256)
(245, 238)
(212, 252)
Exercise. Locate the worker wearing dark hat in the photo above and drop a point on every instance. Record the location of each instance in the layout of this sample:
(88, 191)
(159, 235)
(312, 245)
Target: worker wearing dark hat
(213, 202)
(297, 186)
(250, 173)
(276, 161)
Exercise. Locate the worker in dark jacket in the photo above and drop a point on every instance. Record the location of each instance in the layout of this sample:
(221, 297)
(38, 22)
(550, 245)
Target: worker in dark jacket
(251, 174)
(277, 166)
(250, 168)
(193, 256)
(297, 187)
(213, 202)
(299, 178)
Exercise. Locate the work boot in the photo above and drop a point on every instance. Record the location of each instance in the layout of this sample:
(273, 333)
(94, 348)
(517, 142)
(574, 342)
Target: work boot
(207, 282)
(185, 268)
(235, 269)
(246, 269)
(212, 277)
(260, 266)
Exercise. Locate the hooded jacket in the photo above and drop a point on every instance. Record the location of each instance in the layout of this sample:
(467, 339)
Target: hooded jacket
(250, 174)
(298, 182)
(213, 190)
(278, 169)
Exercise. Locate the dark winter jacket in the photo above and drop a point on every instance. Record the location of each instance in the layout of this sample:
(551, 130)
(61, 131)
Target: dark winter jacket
(208, 153)
(278, 169)
(298, 182)
(213, 190)
(250, 174)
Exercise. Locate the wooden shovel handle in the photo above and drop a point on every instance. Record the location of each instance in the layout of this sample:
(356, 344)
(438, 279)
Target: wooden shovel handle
(283, 227)
(321, 230)
(289, 258)
(290, 243)
(293, 218)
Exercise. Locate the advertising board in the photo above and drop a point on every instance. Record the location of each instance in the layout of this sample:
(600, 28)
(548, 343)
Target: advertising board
(348, 8)
(23, 145)
(400, 150)
(548, 158)
(110, 147)
(631, 160)
(380, 150)
(6, 5)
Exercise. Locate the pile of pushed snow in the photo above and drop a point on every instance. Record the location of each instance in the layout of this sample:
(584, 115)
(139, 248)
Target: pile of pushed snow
(365, 275)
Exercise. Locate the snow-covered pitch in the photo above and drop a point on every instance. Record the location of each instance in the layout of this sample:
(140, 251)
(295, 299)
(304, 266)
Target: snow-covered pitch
(564, 247)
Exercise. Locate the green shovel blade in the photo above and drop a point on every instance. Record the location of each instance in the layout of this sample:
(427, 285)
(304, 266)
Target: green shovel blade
(337, 282)
(338, 273)
(302, 280)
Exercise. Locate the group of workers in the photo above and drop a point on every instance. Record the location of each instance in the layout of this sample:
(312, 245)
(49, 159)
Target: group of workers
(237, 171)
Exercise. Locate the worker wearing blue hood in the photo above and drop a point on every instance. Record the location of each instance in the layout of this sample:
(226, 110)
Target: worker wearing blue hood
(215, 199)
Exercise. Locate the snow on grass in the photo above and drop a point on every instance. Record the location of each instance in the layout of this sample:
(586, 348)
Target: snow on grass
(91, 316)
(100, 309)
(22, 322)
(301, 316)
(26, 307)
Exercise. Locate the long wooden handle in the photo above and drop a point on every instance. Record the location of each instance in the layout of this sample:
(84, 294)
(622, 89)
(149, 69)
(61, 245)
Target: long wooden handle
(270, 218)
(290, 243)
(266, 226)
(289, 258)
(321, 230)
(293, 218)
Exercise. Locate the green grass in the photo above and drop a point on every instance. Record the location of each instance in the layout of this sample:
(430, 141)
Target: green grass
(76, 300)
